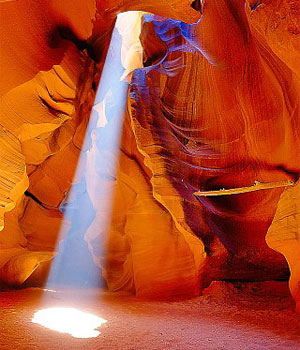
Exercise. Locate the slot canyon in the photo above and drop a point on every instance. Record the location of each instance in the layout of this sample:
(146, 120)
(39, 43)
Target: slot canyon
(149, 174)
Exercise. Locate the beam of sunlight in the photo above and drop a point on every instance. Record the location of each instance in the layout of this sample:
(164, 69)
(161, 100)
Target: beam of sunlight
(72, 321)
(87, 208)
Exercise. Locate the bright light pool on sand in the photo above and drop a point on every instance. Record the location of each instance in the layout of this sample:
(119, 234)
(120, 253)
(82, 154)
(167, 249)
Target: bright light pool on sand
(77, 323)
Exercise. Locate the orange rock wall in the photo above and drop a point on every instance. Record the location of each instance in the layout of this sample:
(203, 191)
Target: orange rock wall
(217, 106)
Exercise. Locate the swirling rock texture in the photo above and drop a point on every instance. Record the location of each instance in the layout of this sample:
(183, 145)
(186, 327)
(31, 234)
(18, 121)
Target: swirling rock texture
(216, 106)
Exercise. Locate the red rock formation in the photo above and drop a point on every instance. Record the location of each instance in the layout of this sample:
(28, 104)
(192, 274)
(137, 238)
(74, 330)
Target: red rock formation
(217, 106)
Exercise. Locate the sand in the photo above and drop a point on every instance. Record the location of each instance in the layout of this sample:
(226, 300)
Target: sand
(243, 316)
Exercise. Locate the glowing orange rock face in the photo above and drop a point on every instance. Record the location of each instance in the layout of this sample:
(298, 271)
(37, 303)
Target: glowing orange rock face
(217, 107)
(224, 118)
(41, 108)
(283, 235)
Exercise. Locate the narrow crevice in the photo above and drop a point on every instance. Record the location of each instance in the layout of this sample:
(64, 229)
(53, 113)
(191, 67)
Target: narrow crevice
(32, 196)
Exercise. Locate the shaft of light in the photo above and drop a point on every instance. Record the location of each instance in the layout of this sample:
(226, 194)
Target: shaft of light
(87, 208)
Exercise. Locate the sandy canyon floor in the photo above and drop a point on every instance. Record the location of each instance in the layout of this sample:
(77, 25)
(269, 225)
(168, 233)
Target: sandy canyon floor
(248, 316)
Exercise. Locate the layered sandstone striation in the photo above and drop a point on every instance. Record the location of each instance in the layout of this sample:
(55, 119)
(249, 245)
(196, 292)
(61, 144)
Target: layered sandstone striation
(215, 106)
